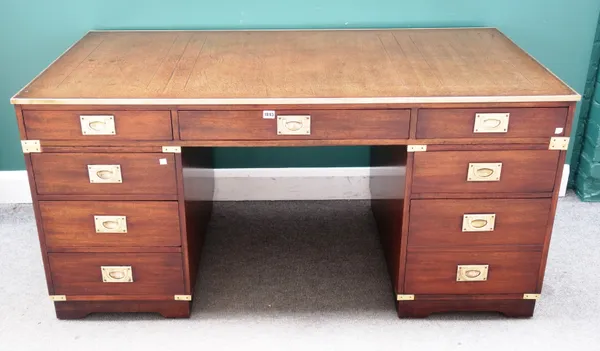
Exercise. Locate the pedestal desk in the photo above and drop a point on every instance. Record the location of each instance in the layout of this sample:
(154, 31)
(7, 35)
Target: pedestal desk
(112, 129)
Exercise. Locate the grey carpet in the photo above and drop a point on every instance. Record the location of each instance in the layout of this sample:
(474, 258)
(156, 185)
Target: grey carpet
(304, 275)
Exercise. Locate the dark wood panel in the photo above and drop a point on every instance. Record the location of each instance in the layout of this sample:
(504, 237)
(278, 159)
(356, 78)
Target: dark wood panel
(387, 202)
(80, 309)
(129, 125)
(435, 272)
(71, 223)
(459, 123)
(517, 222)
(68, 173)
(324, 124)
(125, 249)
(153, 274)
(195, 200)
(422, 309)
(523, 171)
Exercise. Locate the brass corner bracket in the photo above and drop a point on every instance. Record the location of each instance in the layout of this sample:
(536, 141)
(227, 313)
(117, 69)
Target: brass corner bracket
(58, 297)
(171, 149)
(31, 146)
(416, 148)
(183, 297)
(559, 143)
(400, 297)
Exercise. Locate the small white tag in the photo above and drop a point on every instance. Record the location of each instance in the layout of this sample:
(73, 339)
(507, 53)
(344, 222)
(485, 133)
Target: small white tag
(269, 114)
(162, 161)
(558, 130)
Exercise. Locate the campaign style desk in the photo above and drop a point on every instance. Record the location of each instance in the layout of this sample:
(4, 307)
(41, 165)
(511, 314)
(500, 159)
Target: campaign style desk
(112, 127)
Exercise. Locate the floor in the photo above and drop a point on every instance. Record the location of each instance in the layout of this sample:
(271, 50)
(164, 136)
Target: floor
(304, 276)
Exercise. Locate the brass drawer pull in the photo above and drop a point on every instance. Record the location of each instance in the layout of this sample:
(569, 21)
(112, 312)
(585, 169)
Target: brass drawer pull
(293, 125)
(491, 123)
(478, 222)
(484, 172)
(98, 125)
(105, 174)
(110, 224)
(117, 274)
(471, 273)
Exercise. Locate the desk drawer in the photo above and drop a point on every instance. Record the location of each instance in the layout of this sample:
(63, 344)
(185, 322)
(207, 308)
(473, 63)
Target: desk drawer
(124, 273)
(96, 173)
(110, 223)
(491, 123)
(437, 272)
(477, 172)
(98, 125)
(324, 124)
(478, 222)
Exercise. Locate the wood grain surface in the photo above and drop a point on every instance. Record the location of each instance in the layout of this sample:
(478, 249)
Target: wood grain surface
(435, 223)
(67, 174)
(324, 124)
(129, 125)
(71, 223)
(435, 272)
(523, 123)
(80, 274)
(522, 171)
(300, 66)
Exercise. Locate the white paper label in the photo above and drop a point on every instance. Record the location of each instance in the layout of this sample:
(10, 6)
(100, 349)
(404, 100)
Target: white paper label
(558, 131)
(269, 114)
(162, 161)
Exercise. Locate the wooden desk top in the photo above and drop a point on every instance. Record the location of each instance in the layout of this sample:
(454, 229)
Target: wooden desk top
(292, 67)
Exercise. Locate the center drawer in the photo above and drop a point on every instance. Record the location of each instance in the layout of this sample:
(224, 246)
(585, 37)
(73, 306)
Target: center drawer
(469, 222)
(116, 274)
(110, 223)
(303, 124)
(480, 172)
(104, 173)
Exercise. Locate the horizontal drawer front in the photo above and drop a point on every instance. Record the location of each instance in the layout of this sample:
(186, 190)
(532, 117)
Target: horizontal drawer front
(95, 173)
(324, 124)
(461, 123)
(98, 125)
(110, 223)
(151, 274)
(507, 272)
(500, 222)
(449, 171)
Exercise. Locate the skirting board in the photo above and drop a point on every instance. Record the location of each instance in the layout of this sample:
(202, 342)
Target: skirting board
(248, 184)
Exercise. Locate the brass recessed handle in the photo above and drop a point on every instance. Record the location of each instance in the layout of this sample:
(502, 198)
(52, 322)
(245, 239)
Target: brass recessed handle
(110, 224)
(105, 174)
(471, 273)
(117, 274)
(479, 222)
(491, 123)
(484, 172)
(98, 125)
(293, 125)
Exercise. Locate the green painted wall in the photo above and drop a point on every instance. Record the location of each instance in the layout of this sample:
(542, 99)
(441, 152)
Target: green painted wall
(559, 33)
